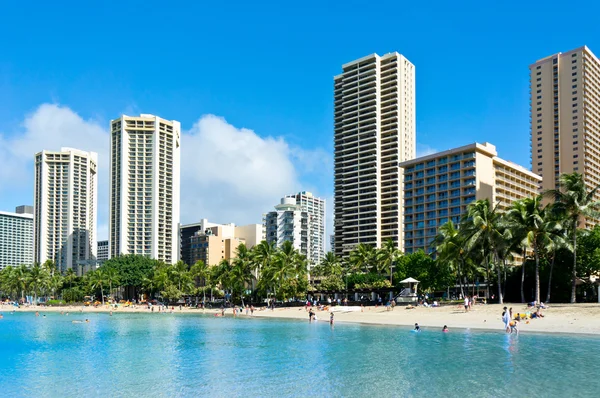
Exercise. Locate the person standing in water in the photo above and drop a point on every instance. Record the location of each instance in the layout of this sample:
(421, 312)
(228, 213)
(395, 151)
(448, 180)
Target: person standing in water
(445, 329)
(417, 327)
(331, 319)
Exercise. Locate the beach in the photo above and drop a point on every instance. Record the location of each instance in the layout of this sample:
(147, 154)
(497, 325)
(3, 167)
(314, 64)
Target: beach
(558, 318)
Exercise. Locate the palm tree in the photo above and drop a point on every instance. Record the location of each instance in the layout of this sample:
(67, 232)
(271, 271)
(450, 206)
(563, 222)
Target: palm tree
(535, 231)
(517, 218)
(362, 257)
(450, 247)
(97, 280)
(38, 278)
(330, 265)
(559, 241)
(263, 254)
(284, 264)
(386, 257)
(70, 276)
(573, 202)
(483, 232)
(242, 272)
(200, 271)
(111, 276)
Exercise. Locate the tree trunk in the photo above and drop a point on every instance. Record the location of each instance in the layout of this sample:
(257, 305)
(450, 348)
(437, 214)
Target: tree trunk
(460, 281)
(537, 274)
(500, 299)
(550, 277)
(574, 282)
(102, 293)
(523, 275)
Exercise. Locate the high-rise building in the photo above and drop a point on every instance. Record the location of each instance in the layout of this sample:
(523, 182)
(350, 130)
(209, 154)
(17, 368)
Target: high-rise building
(65, 208)
(289, 222)
(438, 188)
(144, 187)
(16, 238)
(24, 209)
(565, 122)
(102, 251)
(374, 130)
(315, 207)
(252, 234)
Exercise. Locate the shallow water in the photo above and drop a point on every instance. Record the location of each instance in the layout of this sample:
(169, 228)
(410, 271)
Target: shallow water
(187, 355)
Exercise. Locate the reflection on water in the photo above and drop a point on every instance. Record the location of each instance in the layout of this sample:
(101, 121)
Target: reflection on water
(182, 355)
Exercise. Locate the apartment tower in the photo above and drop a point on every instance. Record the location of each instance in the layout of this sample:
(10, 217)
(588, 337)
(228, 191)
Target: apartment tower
(144, 187)
(374, 130)
(565, 122)
(315, 207)
(288, 222)
(65, 208)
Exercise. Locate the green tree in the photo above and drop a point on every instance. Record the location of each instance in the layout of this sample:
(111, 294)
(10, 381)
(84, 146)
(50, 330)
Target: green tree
(330, 265)
(386, 257)
(200, 271)
(38, 279)
(573, 203)
(363, 257)
(450, 247)
(97, 280)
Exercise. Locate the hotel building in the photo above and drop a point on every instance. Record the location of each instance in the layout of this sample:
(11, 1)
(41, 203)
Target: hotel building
(315, 207)
(438, 188)
(16, 237)
(374, 130)
(102, 251)
(565, 117)
(214, 244)
(144, 187)
(65, 208)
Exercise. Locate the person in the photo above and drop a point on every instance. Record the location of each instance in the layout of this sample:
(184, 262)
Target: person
(2, 316)
(417, 327)
(445, 329)
(222, 311)
(513, 327)
(311, 314)
(506, 320)
(510, 315)
(331, 318)
(87, 321)
(251, 310)
(393, 304)
(37, 313)
(466, 304)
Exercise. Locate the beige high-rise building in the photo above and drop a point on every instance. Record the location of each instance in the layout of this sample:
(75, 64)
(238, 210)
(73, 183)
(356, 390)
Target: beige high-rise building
(374, 130)
(438, 188)
(65, 208)
(144, 187)
(565, 116)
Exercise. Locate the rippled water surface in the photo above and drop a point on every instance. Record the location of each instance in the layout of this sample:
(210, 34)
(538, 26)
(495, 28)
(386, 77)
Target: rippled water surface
(188, 355)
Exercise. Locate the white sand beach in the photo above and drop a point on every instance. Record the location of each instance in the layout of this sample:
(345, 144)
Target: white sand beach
(558, 318)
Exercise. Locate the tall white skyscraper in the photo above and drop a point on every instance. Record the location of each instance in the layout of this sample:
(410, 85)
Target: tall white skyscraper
(374, 130)
(315, 207)
(65, 208)
(144, 187)
(288, 222)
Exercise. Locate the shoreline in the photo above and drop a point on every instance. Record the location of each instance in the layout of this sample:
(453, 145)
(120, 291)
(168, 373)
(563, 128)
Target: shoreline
(580, 319)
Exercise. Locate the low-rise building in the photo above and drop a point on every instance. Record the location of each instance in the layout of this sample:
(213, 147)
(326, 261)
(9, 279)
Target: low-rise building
(213, 245)
(438, 188)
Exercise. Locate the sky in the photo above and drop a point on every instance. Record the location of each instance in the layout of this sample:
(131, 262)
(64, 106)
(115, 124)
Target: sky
(252, 84)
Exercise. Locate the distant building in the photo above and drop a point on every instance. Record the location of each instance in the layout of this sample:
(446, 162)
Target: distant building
(250, 235)
(289, 222)
(65, 208)
(214, 244)
(16, 238)
(315, 207)
(332, 242)
(102, 251)
(24, 209)
(439, 187)
(144, 187)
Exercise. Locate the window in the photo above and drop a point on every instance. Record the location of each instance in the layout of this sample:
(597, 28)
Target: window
(539, 79)
(539, 132)
(539, 91)
(574, 142)
(538, 67)
(574, 105)
(539, 103)
(575, 149)
(575, 135)
(539, 157)
(539, 85)
(539, 73)
(539, 120)
(574, 110)
(575, 130)
(539, 151)
(574, 117)
(574, 61)
(573, 80)
(539, 109)
(539, 127)
(555, 61)
(539, 115)
(574, 86)
(539, 138)
(539, 97)
(539, 163)
(574, 67)
(576, 162)
(574, 99)
(574, 55)
(575, 156)
(574, 74)
(575, 124)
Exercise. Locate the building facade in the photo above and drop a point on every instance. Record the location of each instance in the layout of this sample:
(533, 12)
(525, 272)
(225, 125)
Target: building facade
(214, 244)
(65, 208)
(16, 237)
(315, 207)
(289, 222)
(102, 253)
(565, 122)
(144, 187)
(439, 187)
(374, 130)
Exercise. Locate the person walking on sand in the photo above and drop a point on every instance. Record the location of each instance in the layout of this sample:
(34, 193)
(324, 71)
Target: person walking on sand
(311, 315)
(506, 320)
(466, 304)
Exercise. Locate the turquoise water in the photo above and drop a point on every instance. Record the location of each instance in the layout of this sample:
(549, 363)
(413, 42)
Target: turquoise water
(170, 355)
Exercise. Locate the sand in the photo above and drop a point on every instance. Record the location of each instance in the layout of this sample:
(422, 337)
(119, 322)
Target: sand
(558, 318)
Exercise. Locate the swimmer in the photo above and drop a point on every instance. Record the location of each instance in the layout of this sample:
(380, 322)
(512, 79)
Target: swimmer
(43, 316)
(1, 316)
(110, 313)
(417, 328)
(87, 321)
(445, 329)
(37, 313)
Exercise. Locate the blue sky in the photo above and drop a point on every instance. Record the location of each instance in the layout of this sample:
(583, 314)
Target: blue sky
(268, 67)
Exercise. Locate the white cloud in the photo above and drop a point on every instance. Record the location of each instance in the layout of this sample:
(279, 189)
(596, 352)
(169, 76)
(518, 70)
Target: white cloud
(424, 150)
(228, 174)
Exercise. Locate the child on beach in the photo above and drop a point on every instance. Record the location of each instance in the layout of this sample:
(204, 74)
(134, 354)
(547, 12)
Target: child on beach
(513, 327)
